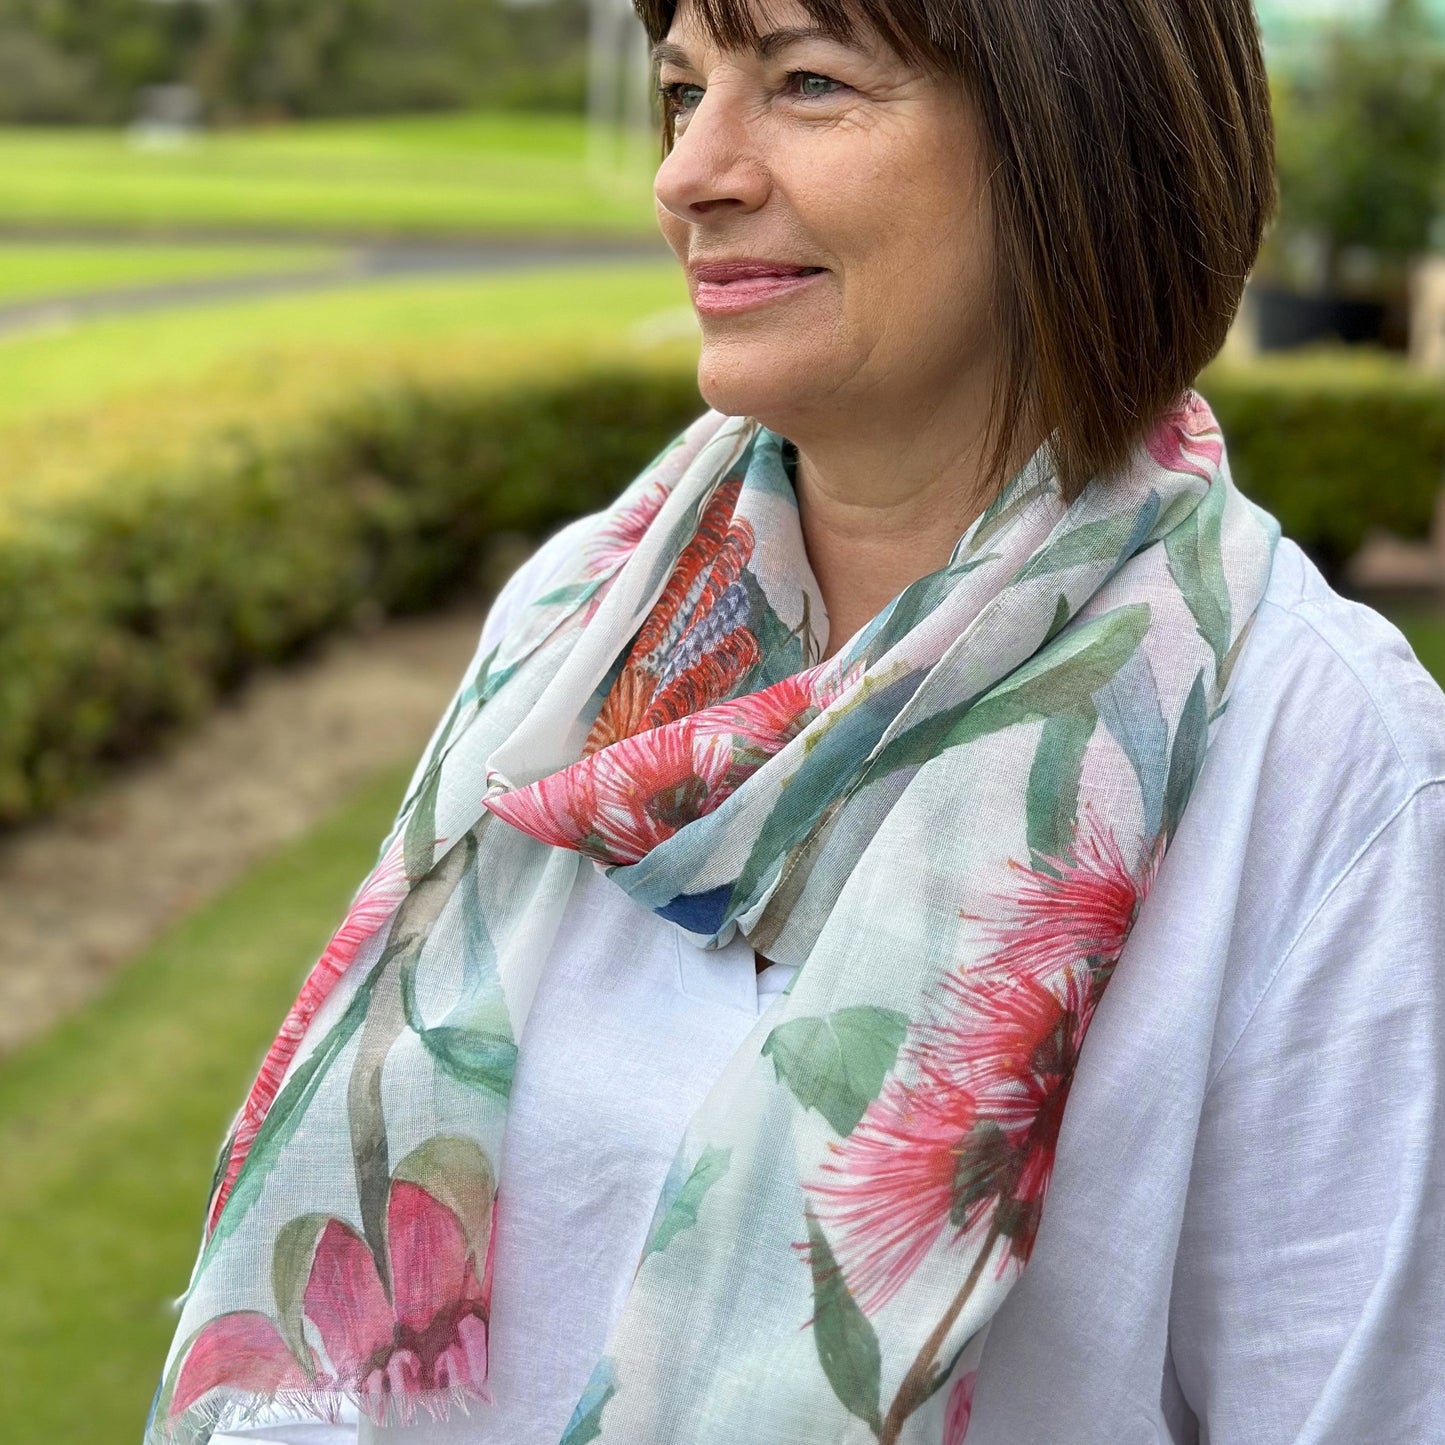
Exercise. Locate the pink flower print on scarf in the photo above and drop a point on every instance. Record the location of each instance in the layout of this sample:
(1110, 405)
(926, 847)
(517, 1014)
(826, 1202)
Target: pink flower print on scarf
(373, 905)
(619, 803)
(964, 1133)
(1072, 910)
(959, 1411)
(1188, 440)
(764, 723)
(617, 541)
(428, 1334)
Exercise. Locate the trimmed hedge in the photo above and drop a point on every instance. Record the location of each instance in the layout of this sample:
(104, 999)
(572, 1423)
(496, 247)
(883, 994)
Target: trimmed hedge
(128, 608)
(130, 604)
(1334, 445)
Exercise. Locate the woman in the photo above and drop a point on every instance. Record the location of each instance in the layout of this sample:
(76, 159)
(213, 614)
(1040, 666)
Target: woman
(786, 838)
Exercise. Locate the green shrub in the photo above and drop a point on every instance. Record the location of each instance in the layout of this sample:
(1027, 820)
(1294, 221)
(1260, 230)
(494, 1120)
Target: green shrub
(128, 606)
(1334, 446)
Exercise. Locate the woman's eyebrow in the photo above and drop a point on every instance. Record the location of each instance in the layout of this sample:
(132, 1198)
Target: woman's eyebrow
(666, 53)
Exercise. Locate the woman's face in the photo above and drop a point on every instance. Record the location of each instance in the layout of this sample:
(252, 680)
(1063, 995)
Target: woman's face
(810, 153)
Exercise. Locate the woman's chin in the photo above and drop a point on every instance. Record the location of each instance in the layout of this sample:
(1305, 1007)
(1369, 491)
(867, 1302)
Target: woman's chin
(760, 382)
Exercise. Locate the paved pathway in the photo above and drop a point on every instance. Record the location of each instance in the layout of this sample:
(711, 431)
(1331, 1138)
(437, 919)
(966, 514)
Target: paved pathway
(358, 264)
(85, 892)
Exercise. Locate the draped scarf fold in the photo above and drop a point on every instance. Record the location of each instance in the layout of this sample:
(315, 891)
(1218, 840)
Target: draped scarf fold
(949, 827)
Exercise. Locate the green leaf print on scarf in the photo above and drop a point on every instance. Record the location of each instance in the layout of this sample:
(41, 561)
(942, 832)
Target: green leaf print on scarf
(586, 1422)
(681, 1212)
(915, 602)
(1196, 562)
(832, 754)
(480, 1052)
(286, 1113)
(847, 1346)
(291, 1263)
(421, 827)
(1118, 536)
(1053, 795)
(575, 593)
(1061, 678)
(837, 1064)
(485, 1061)
(1129, 707)
(1028, 487)
(1061, 618)
(484, 682)
(474, 1042)
(1186, 756)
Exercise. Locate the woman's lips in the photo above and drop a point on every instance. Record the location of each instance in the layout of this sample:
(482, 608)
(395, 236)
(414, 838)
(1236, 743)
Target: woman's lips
(721, 297)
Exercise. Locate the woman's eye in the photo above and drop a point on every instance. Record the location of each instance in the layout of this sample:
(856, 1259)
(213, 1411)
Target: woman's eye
(681, 96)
(805, 80)
(671, 93)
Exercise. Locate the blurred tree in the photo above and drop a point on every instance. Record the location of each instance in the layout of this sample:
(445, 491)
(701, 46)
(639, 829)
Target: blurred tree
(275, 58)
(1361, 141)
(39, 81)
(86, 60)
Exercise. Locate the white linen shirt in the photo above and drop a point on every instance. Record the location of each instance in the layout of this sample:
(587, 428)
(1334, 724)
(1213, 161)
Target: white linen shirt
(1244, 1243)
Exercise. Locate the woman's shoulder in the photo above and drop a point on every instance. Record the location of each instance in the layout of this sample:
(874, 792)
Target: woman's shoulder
(1335, 691)
(1317, 829)
(535, 577)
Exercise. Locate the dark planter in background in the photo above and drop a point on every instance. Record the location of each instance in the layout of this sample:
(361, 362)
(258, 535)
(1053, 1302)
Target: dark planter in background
(1288, 319)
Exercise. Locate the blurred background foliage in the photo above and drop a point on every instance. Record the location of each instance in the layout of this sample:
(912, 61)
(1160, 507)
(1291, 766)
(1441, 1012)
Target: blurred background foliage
(87, 62)
(1360, 120)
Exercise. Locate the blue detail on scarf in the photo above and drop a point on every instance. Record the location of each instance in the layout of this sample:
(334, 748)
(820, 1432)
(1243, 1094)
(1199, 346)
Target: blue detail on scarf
(698, 912)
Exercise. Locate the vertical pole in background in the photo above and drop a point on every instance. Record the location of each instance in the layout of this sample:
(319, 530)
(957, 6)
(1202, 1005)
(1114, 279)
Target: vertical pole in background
(601, 86)
(641, 149)
(619, 105)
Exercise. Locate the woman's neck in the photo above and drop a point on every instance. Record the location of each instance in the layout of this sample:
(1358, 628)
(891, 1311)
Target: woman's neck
(877, 518)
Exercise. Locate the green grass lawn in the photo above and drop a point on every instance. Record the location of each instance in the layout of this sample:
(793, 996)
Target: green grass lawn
(428, 175)
(109, 1128)
(95, 361)
(146, 394)
(31, 271)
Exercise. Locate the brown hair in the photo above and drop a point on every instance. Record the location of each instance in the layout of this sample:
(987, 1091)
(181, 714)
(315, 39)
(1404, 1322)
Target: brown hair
(1132, 152)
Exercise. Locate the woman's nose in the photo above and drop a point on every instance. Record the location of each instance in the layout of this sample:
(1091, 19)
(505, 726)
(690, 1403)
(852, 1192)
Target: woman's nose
(714, 166)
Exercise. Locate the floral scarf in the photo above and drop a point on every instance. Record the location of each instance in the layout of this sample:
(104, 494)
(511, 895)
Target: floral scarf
(950, 827)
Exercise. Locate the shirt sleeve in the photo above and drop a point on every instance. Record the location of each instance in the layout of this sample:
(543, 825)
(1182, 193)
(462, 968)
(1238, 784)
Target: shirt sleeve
(527, 583)
(1307, 1306)
(531, 580)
